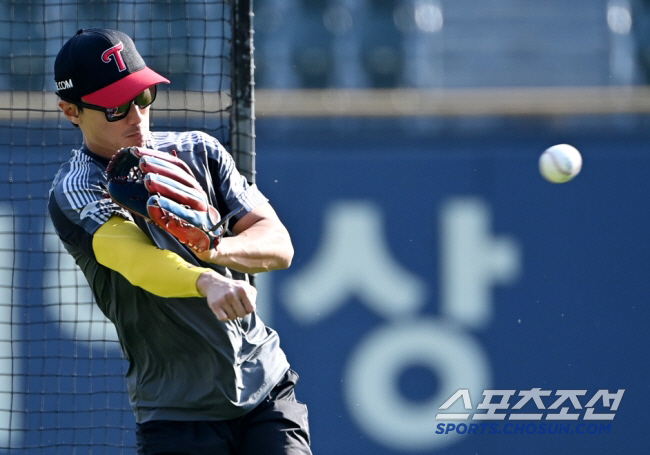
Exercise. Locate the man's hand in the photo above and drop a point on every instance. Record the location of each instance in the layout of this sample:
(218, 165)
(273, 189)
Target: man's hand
(228, 299)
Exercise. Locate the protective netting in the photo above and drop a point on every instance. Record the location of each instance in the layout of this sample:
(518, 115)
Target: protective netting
(62, 387)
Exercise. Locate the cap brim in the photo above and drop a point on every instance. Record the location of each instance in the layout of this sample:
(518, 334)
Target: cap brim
(125, 89)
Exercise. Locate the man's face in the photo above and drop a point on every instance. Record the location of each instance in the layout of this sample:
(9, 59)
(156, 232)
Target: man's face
(104, 138)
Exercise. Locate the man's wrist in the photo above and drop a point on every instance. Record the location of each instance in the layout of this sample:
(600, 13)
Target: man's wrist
(205, 280)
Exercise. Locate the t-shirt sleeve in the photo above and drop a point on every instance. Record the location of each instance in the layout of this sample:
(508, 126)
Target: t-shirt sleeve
(78, 206)
(236, 193)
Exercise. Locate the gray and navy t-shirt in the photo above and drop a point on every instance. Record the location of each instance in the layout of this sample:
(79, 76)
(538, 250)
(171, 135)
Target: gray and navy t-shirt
(184, 364)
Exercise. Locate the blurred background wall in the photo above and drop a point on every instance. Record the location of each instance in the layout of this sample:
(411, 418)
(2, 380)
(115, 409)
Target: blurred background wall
(434, 43)
(430, 254)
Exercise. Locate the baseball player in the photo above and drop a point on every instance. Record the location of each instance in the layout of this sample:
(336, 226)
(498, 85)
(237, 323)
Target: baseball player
(205, 375)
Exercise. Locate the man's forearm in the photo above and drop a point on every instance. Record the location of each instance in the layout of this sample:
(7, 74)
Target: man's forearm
(261, 248)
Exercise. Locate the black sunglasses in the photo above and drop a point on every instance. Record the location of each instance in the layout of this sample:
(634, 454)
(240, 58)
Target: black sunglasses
(113, 114)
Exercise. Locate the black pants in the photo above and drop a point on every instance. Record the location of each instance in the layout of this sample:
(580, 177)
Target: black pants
(277, 426)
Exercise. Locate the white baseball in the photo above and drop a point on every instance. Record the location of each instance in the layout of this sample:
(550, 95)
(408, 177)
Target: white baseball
(560, 163)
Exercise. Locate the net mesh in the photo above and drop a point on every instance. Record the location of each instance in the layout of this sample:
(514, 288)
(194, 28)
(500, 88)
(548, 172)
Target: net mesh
(62, 387)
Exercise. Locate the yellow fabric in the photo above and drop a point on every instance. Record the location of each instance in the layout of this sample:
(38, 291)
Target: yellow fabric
(121, 246)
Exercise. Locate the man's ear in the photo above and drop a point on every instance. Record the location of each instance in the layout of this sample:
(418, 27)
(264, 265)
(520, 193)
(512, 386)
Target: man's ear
(71, 111)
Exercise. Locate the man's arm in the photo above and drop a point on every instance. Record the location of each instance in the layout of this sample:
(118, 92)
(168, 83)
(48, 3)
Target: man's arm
(121, 246)
(261, 243)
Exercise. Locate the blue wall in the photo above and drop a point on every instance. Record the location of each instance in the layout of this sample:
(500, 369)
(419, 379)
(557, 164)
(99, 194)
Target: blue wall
(465, 269)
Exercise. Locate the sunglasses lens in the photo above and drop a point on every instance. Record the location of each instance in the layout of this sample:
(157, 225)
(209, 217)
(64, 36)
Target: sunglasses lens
(143, 100)
(147, 97)
(117, 113)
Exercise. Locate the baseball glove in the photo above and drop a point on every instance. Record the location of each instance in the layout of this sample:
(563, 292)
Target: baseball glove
(162, 188)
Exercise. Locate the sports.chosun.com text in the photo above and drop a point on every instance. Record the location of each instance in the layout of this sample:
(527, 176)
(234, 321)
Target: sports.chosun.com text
(524, 428)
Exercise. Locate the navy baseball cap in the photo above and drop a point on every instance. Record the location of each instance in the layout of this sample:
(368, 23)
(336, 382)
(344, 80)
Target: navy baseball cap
(103, 67)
